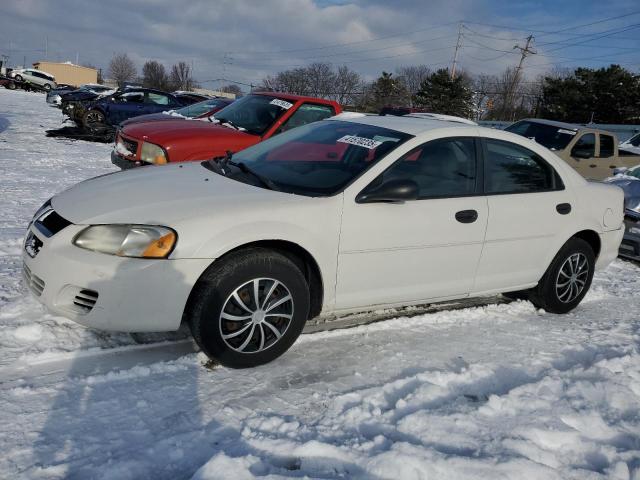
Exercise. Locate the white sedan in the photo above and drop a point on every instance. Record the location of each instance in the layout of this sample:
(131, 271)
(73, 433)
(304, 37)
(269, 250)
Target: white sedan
(349, 214)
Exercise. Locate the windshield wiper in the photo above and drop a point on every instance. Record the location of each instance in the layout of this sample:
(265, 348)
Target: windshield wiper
(244, 168)
(222, 121)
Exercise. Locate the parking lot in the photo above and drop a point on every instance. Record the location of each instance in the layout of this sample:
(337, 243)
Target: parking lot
(504, 389)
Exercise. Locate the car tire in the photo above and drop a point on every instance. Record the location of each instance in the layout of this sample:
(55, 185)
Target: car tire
(568, 278)
(94, 121)
(19, 78)
(222, 304)
(11, 86)
(47, 87)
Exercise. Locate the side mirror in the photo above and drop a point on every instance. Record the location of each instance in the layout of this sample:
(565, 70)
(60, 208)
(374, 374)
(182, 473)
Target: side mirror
(391, 191)
(620, 170)
(581, 153)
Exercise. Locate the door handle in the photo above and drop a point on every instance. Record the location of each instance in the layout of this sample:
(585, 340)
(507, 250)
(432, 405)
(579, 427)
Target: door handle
(466, 216)
(593, 165)
(563, 208)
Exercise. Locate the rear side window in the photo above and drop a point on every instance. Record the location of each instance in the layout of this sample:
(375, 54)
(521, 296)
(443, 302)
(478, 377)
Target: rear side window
(157, 99)
(510, 168)
(441, 168)
(585, 147)
(606, 146)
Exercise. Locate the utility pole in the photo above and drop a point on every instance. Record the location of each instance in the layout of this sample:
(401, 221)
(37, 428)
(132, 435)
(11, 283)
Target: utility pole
(455, 55)
(524, 51)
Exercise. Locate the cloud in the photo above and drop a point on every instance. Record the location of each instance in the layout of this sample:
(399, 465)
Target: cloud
(245, 40)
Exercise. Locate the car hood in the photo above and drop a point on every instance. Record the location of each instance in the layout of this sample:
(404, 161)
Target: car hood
(79, 95)
(176, 130)
(630, 186)
(159, 195)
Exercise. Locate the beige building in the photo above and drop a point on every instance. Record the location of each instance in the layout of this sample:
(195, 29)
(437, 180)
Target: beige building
(68, 73)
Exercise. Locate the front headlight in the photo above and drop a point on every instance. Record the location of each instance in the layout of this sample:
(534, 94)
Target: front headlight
(152, 153)
(140, 241)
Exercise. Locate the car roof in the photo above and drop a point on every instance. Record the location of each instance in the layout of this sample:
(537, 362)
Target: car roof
(295, 98)
(413, 125)
(553, 123)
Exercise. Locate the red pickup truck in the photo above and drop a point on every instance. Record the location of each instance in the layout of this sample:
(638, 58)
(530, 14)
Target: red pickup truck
(245, 122)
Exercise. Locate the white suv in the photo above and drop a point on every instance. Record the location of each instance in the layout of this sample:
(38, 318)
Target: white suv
(353, 213)
(36, 77)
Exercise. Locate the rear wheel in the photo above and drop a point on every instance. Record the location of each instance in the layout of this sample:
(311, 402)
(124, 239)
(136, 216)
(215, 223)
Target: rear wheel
(568, 278)
(249, 308)
(94, 121)
(47, 87)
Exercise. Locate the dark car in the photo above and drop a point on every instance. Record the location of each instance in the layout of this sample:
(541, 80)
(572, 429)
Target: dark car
(109, 111)
(197, 110)
(189, 98)
(629, 181)
(54, 96)
(76, 103)
(8, 83)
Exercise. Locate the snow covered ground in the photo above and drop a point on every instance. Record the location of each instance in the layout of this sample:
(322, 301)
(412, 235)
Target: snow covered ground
(497, 391)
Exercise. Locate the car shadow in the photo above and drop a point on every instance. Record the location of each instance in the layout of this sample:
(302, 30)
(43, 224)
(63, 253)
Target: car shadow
(4, 123)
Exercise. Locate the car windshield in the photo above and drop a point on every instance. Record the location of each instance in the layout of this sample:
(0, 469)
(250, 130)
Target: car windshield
(321, 158)
(635, 140)
(197, 109)
(554, 138)
(254, 113)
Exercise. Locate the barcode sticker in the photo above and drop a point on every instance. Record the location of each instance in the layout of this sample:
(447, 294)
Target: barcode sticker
(360, 141)
(281, 103)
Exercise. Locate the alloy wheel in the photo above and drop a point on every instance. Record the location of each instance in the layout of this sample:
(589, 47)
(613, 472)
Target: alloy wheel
(572, 277)
(256, 315)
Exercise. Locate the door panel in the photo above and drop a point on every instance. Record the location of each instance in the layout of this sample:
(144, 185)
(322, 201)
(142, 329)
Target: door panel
(528, 215)
(395, 253)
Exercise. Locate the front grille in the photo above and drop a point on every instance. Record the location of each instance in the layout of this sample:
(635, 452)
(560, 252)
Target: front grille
(85, 300)
(33, 282)
(51, 223)
(130, 145)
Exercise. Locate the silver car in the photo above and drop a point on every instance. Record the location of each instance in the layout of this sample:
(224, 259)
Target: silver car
(629, 180)
(34, 77)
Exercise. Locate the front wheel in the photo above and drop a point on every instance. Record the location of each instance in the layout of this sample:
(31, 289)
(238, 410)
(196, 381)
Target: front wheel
(19, 78)
(249, 308)
(94, 120)
(47, 87)
(568, 278)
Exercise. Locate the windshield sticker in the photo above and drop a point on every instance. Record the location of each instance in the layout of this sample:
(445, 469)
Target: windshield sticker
(360, 141)
(281, 103)
(568, 132)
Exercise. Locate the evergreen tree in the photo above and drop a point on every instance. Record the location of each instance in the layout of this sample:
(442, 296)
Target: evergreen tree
(439, 93)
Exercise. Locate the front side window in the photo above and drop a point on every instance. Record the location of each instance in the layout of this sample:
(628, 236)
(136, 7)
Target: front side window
(440, 168)
(254, 113)
(318, 159)
(510, 168)
(606, 146)
(585, 147)
(130, 97)
(307, 113)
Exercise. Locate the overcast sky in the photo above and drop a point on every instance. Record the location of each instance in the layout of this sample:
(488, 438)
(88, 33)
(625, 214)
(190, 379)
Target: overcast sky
(244, 40)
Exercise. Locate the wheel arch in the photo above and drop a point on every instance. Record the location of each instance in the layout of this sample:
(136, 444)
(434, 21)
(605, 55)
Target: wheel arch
(592, 238)
(297, 254)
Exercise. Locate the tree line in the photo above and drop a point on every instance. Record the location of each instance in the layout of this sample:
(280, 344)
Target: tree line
(154, 75)
(605, 95)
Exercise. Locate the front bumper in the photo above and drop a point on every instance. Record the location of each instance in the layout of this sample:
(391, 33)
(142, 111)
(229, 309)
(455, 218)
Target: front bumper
(122, 163)
(107, 292)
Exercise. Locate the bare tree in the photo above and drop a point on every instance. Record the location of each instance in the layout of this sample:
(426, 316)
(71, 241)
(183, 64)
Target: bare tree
(154, 75)
(231, 88)
(290, 81)
(122, 69)
(320, 78)
(180, 78)
(412, 77)
(347, 85)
